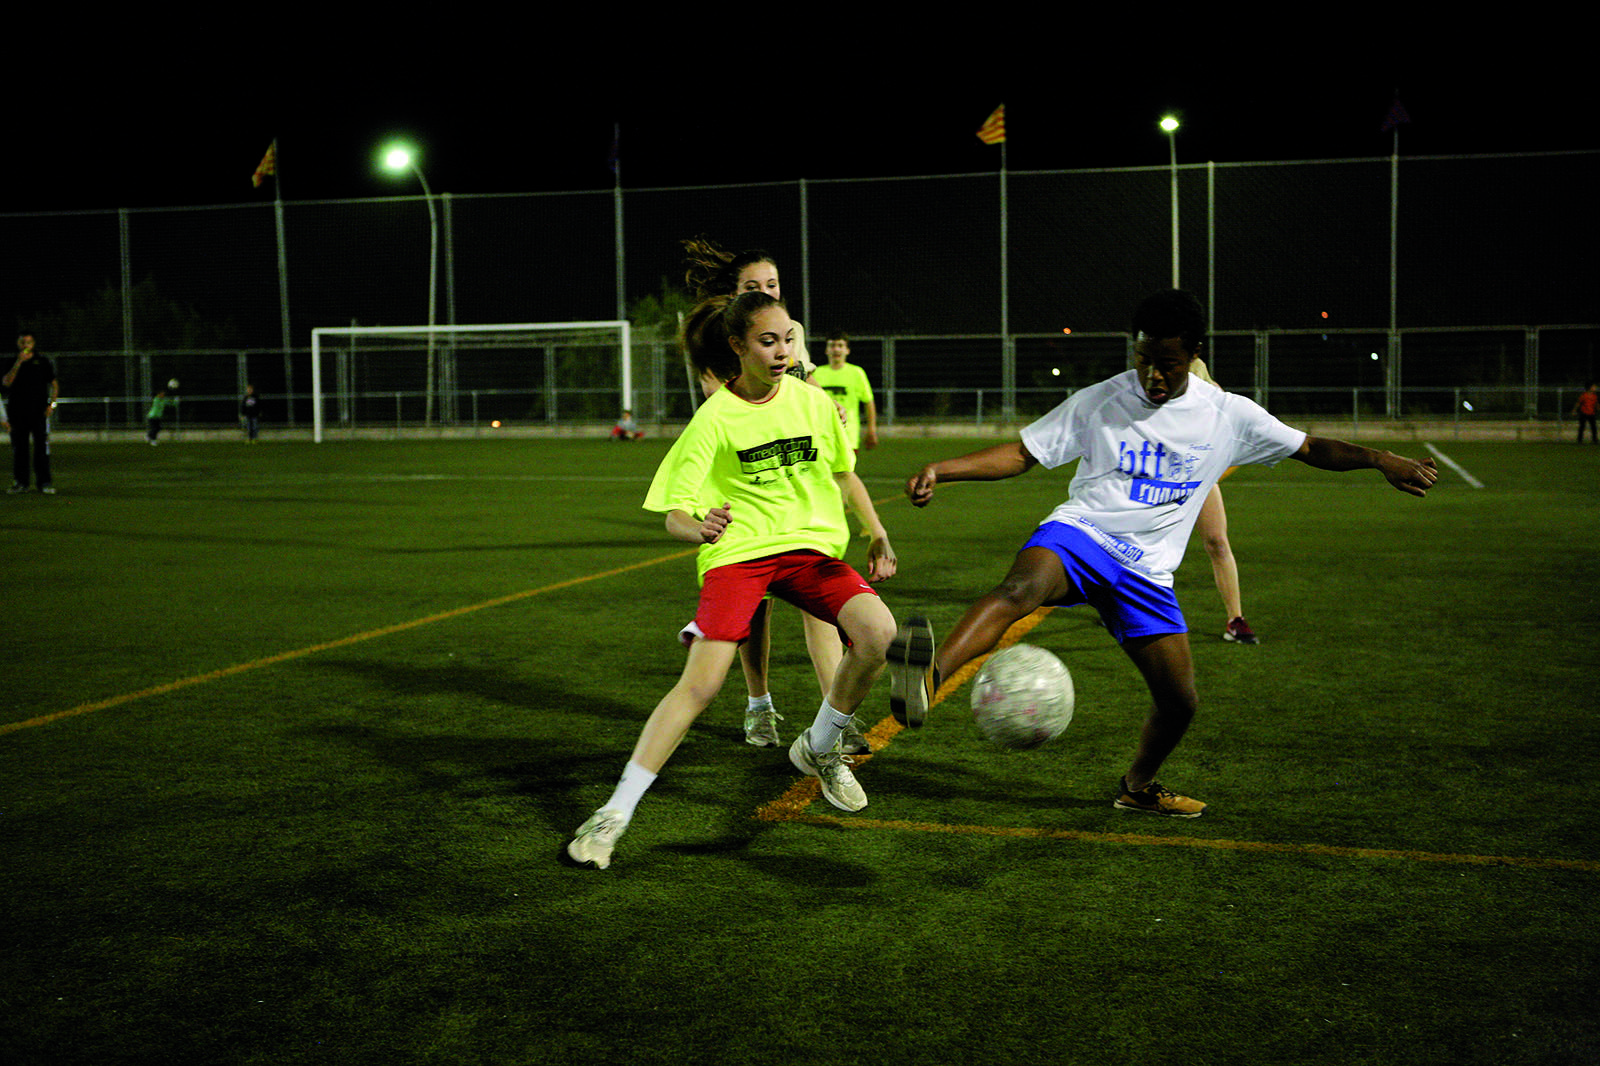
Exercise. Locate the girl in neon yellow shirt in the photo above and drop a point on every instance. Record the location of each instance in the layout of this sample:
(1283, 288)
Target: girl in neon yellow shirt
(774, 452)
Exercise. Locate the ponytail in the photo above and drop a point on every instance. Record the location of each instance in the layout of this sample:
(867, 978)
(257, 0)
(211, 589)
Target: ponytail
(710, 326)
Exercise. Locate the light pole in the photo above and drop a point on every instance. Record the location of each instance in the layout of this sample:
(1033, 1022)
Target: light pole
(1169, 124)
(399, 158)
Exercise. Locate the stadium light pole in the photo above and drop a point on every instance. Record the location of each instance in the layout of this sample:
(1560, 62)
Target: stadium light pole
(398, 158)
(1169, 125)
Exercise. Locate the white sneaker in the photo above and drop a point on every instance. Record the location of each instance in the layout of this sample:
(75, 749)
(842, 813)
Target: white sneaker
(852, 741)
(832, 769)
(761, 727)
(595, 838)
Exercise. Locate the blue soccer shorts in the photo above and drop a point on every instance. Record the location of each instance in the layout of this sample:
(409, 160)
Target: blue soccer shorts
(1130, 605)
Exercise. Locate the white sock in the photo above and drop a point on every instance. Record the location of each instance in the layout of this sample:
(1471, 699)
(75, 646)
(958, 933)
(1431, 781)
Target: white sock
(828, 725)
(759, 703)
(636, 780)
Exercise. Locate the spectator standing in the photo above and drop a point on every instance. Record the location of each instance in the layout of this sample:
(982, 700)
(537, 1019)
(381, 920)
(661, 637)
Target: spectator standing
(33, 390)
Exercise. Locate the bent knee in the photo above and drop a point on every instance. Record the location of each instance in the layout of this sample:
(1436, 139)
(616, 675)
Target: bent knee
(1023, 593)
(869, 626)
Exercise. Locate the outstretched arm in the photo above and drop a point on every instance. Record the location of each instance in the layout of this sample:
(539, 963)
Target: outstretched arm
(991, 464)
(1414, 476)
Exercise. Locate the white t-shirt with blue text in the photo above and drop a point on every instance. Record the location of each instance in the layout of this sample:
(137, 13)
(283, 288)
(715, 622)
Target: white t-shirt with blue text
(1145, 469)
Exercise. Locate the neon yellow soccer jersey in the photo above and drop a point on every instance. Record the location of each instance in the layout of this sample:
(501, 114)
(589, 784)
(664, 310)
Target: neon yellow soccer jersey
(774, 462)
(849, 385)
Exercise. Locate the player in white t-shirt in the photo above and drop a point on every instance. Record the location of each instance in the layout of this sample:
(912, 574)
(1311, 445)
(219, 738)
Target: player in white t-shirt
(1150, 443)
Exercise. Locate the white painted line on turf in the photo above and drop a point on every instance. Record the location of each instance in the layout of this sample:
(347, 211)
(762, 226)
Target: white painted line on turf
(1453, 465)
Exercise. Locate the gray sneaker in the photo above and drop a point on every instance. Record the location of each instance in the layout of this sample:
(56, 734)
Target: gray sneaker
(595, 838)
(761, 727)
(911, 672)
(852, 742)
(832, 769)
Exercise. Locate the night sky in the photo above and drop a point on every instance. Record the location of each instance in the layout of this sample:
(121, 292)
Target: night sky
(112, 132)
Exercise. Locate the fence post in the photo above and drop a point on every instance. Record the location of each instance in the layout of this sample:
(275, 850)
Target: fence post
(1530, 363)
(890, 387)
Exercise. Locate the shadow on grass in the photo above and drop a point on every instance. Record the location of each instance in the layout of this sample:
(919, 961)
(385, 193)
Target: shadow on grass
(575, 746)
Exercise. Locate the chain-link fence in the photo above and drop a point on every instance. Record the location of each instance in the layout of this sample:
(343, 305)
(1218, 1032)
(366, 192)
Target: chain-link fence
(1384, 280)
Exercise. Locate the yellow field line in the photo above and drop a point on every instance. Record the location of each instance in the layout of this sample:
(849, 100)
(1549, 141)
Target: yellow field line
(300, 653)
(1139, 840)
(790, 806)
(342, 642)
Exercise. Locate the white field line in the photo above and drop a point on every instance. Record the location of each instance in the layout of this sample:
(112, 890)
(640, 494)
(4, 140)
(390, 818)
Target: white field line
(1453, 465)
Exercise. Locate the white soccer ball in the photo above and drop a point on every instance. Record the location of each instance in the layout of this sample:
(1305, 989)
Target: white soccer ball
(1022, 697)
(172, 384)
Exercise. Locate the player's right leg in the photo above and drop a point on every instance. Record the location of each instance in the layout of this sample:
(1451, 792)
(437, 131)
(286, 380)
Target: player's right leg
(1036, 578)
(703, 674)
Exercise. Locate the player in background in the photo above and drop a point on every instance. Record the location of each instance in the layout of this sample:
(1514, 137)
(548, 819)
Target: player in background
(1213, 527)
(773, 451)
(1151, 442)
(158, 410)
(250, 413)
(850, 388)
(1588, 403)
(713, 271)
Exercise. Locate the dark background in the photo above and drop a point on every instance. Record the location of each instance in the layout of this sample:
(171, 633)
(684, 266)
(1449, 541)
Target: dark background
(716, 142)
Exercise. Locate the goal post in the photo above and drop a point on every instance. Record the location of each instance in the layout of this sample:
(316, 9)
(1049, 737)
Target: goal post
(425, 375)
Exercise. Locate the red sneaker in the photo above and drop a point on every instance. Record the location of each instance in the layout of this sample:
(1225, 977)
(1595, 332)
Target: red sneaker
(1239, 632)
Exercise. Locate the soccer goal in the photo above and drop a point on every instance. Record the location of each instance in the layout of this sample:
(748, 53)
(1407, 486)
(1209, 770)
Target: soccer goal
(443, 376)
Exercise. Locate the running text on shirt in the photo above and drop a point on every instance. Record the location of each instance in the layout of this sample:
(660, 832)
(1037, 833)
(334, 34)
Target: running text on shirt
(1151, 484)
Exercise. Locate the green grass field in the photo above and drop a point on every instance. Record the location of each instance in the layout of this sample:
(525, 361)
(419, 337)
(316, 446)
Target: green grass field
(290, 737)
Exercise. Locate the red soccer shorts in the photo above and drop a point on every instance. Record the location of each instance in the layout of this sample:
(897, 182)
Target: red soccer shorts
(811, 581)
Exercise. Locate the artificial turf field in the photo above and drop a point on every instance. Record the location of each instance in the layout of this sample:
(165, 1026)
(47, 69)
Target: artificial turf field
(290, 737)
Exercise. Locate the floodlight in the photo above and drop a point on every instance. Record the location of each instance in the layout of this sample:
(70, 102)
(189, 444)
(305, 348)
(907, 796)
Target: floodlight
(397, 157)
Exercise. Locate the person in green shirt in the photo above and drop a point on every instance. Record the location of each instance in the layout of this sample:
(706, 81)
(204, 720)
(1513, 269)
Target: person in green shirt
(774, 453)
(848, 385)
(158, 408)
(711, 270)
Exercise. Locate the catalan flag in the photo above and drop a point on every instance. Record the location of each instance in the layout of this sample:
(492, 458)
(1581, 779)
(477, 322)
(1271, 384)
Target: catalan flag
(1396, 116)
(269, 165)
(993, 130)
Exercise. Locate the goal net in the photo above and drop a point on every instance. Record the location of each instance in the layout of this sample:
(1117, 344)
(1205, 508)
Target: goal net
(522, 374)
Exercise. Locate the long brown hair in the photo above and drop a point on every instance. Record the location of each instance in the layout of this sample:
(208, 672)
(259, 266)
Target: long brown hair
(711, 270)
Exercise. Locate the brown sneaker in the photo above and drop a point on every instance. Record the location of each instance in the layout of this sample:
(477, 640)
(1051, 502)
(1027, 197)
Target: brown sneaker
(1155, 798)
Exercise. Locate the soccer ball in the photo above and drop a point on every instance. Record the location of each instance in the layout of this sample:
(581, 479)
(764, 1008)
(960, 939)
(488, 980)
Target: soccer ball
(172, 384)
(1022, 697)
